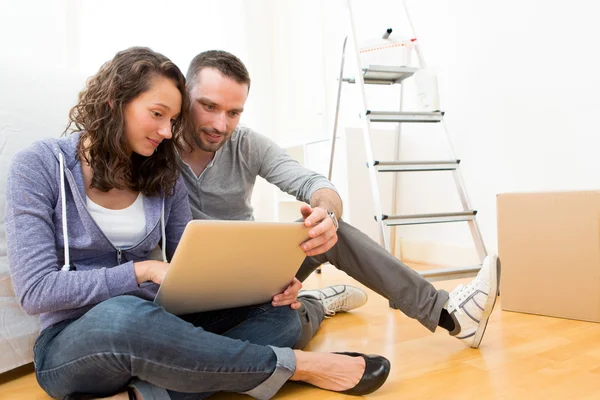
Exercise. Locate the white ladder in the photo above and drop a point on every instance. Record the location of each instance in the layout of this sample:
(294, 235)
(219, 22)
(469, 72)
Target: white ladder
(392, 75)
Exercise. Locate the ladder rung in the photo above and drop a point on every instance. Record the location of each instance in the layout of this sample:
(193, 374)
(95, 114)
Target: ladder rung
(437, 218)
(384, 74)
(443, 274)
(404, 116)
(408, 166)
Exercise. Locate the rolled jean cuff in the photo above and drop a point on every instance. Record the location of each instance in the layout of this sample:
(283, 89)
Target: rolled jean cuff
(285, 368)
(149, 391)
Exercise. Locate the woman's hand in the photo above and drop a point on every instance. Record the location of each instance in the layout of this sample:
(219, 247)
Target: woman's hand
(151, 270)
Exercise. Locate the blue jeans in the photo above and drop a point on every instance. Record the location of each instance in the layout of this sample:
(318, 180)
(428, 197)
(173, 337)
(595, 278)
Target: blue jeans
(131, 341)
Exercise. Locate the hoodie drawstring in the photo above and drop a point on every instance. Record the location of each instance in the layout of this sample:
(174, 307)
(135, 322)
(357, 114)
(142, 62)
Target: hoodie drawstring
(162, 231)
(63, 201)
(67, 264)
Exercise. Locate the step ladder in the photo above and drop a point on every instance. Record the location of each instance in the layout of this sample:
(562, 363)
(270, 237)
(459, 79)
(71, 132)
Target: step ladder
(396, 75)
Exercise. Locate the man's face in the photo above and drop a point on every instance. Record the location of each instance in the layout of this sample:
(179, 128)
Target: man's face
(217, 104)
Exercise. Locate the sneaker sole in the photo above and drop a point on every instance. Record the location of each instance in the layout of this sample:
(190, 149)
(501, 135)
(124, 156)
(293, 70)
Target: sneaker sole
(489, 305)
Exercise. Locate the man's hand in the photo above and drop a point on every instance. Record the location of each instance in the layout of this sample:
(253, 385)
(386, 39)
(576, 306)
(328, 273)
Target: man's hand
(289, 296)
(323, 233)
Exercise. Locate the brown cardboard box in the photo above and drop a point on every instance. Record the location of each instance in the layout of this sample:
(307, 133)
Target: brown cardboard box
(549, 245)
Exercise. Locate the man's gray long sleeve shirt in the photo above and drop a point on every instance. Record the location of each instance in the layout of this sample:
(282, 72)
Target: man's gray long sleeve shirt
(224, 189)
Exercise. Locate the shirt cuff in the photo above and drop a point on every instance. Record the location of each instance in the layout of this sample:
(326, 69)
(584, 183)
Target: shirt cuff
(121, 279)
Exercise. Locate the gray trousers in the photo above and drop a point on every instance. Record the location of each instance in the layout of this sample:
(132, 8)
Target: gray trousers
(366, 261)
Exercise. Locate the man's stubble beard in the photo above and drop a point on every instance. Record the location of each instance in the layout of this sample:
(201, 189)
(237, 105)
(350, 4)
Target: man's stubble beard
(208, 147)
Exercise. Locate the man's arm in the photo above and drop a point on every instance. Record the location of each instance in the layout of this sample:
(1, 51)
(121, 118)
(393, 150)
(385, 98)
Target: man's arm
(272, 163)
(327, 199)
(278, 168)
(324, 232)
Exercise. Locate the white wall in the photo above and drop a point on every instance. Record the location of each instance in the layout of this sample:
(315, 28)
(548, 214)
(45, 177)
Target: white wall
(517, 79)
(34, 38)
(275, 39)
(519, 83)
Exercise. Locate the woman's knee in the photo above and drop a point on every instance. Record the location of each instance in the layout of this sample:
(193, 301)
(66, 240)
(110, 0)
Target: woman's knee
(120, 312)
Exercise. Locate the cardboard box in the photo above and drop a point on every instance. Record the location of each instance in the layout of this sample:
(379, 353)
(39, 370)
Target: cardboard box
(549, 245)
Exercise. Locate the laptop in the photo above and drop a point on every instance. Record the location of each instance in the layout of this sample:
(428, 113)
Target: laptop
(227, 264)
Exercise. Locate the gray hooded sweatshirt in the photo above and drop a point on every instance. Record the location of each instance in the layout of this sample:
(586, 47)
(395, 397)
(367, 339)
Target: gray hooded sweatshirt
(34, 228)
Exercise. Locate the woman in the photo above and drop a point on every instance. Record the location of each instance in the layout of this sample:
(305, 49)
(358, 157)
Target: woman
(84, 213)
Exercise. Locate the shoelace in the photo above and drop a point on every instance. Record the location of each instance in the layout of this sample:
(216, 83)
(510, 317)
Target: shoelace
(453, 304)
(457, 294)
(340, 302)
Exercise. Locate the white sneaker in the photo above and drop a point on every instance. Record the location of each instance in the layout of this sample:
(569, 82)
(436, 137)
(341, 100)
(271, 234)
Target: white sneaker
(470, 306)
(338, 298)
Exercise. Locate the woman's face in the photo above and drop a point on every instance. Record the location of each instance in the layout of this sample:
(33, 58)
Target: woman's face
(150, 116)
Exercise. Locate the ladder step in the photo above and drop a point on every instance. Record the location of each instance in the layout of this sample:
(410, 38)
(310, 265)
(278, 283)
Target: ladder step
(408, 166)
(443, 274)
(404, 116)
(416, 219)
(384, 74)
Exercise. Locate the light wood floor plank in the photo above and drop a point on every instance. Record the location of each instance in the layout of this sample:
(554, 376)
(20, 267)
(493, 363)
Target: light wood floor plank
(522, 356)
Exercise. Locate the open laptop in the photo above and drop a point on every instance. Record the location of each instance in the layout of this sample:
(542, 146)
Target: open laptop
(227, 264)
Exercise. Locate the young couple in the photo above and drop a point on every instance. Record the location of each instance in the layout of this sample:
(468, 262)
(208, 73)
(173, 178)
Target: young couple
(152, 150)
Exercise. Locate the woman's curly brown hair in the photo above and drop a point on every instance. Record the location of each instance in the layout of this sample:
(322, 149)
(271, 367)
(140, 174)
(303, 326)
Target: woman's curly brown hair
(99, 114)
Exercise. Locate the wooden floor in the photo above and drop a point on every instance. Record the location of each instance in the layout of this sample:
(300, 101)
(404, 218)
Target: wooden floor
(522, 356)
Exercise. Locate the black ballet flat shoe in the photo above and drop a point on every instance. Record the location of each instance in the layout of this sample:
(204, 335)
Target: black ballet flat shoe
(79, 396)
(377, 370)
(131, 393)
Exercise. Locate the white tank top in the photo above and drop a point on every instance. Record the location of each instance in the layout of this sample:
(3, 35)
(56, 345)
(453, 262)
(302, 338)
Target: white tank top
(125, 227)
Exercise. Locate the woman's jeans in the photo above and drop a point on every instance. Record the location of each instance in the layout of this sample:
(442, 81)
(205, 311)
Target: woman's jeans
(128, 340)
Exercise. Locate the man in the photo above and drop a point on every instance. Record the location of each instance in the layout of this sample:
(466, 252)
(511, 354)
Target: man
(220, 172)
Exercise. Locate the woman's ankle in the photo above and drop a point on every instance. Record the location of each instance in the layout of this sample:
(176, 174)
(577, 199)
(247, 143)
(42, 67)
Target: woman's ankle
(302, 366)
(119, 396)
(328, 371)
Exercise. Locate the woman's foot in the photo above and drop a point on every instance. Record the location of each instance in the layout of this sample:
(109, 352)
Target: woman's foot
(119, 396)
(341, 372)
(123, 396)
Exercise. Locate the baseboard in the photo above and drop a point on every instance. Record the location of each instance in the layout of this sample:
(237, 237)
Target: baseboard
(436, 253)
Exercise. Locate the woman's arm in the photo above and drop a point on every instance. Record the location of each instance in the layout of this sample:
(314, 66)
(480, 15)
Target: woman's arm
(177, 216)
(31, 196)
